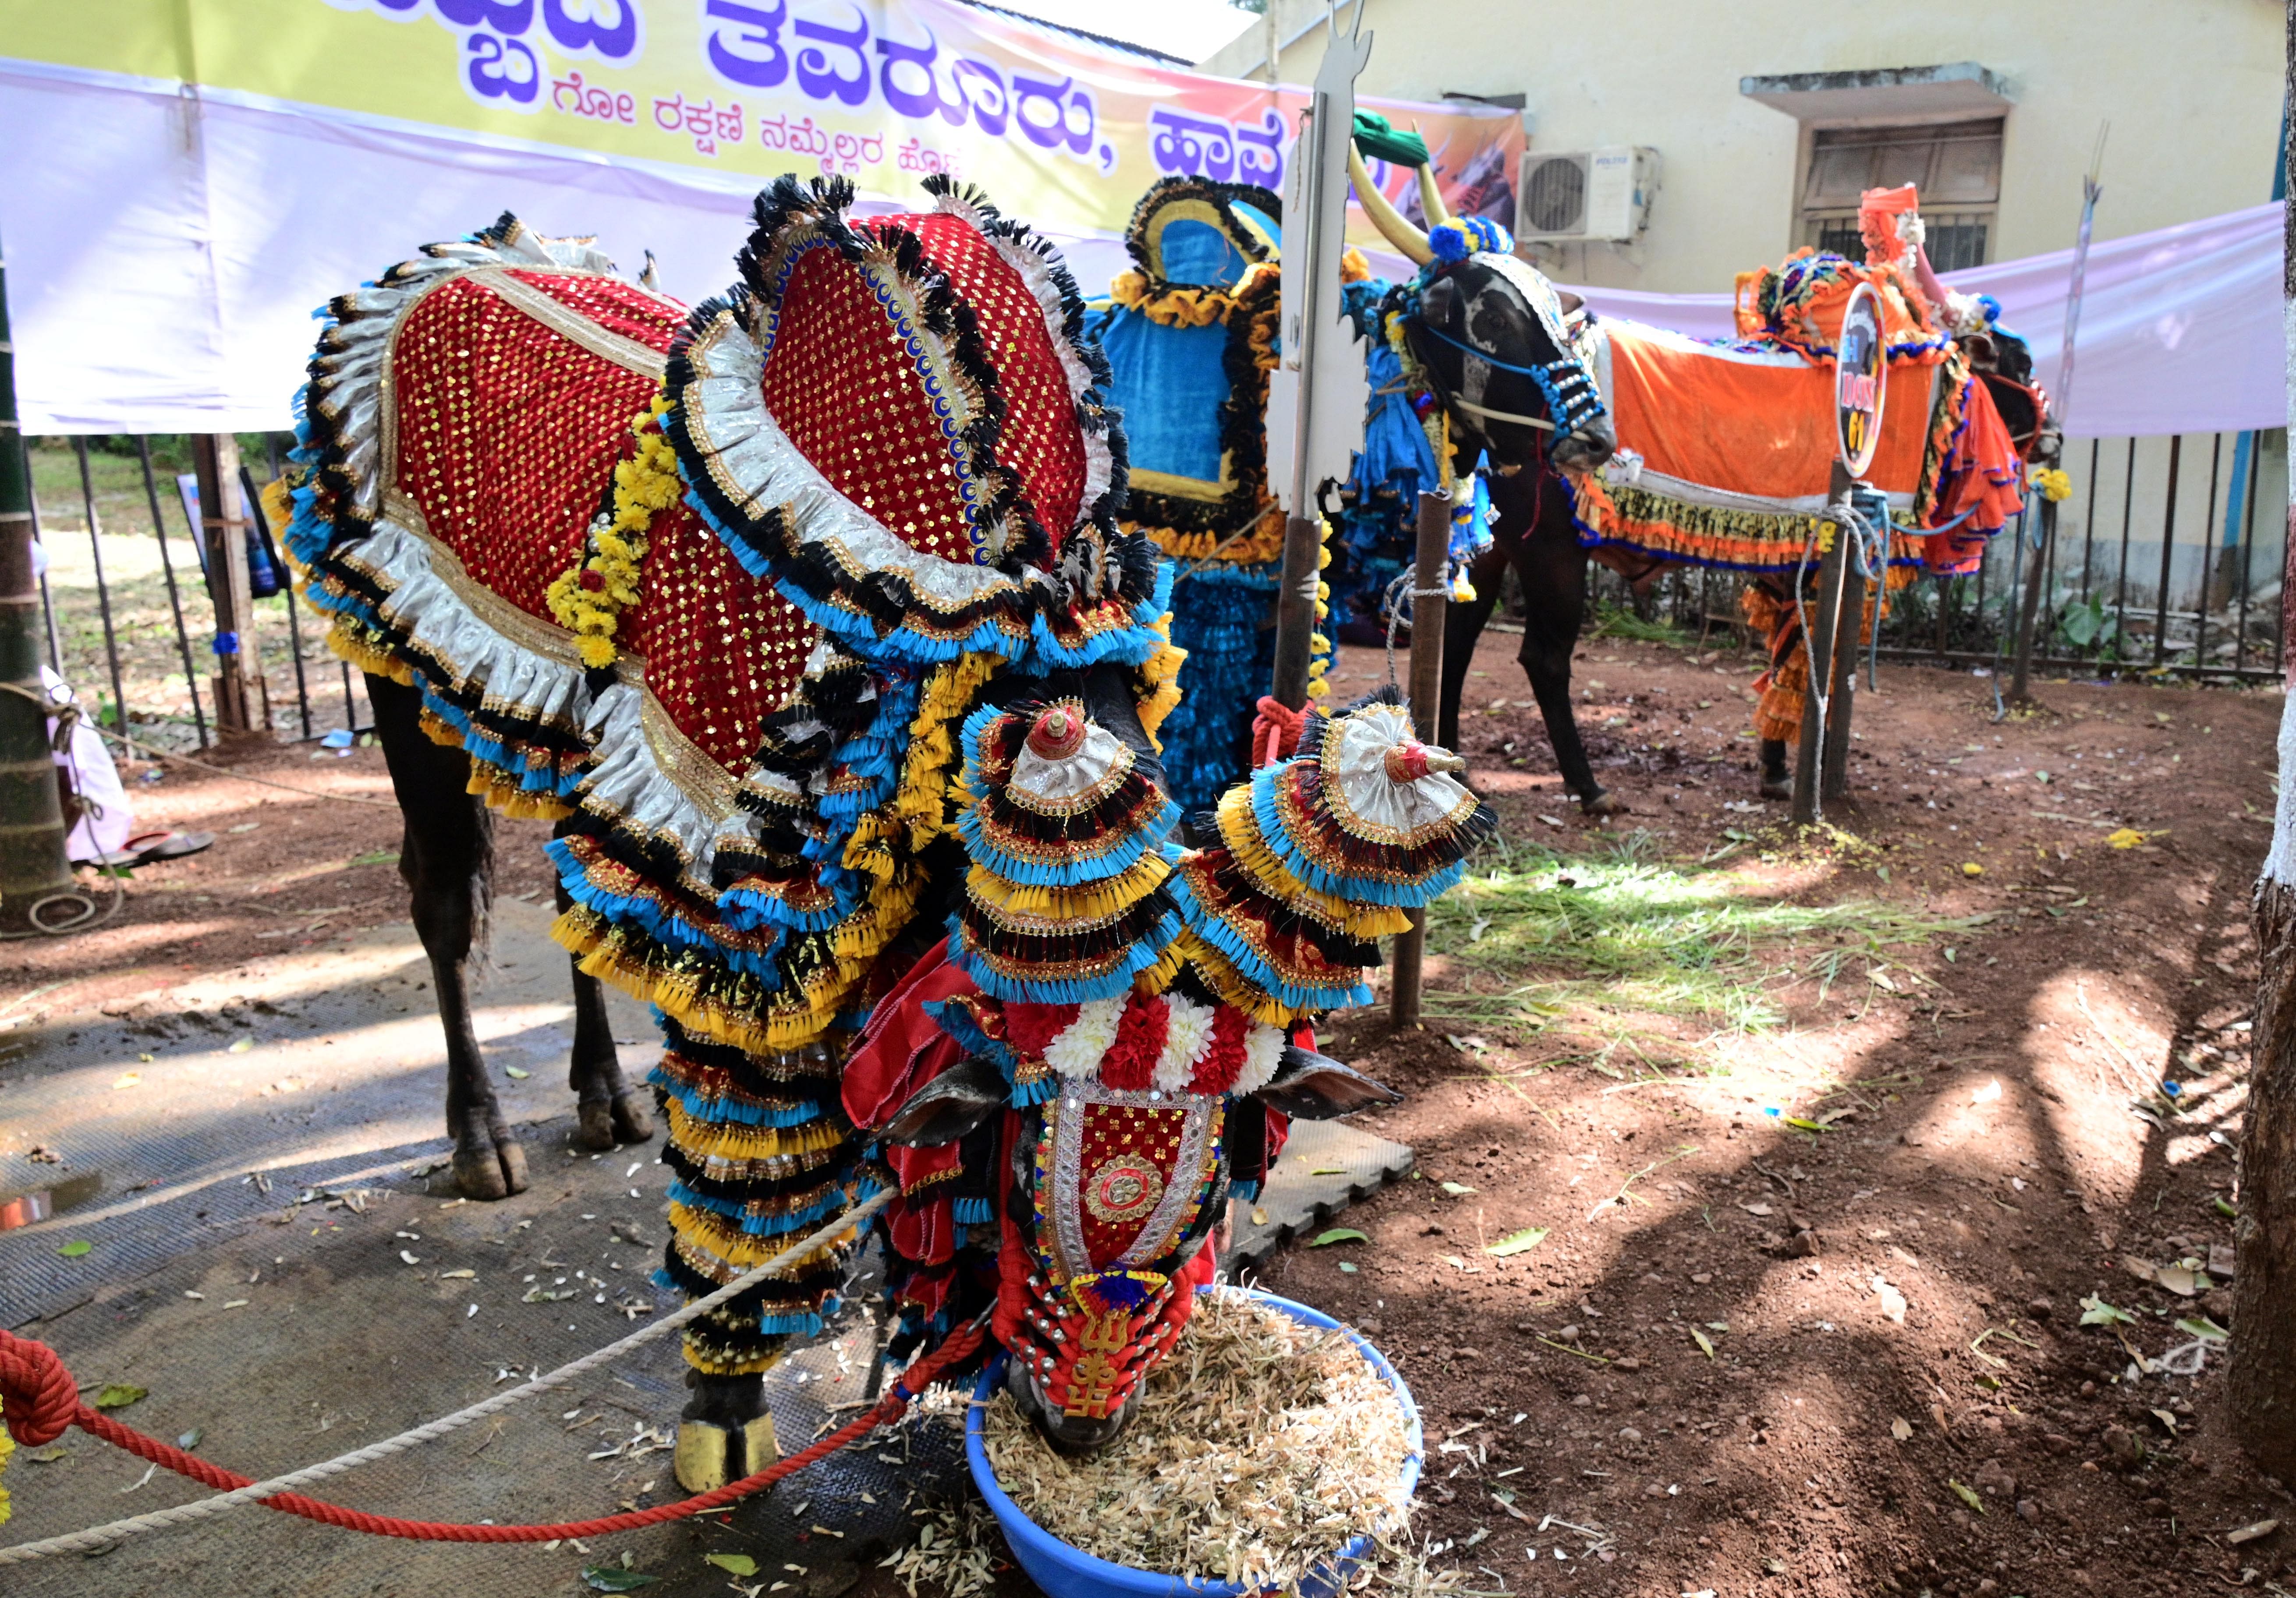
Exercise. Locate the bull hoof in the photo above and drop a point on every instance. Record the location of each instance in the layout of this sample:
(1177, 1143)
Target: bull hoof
(1604, 804)
(489, 1170)
(633, 1116)
(595, 1130)
(1777, 788)
(709, 1455)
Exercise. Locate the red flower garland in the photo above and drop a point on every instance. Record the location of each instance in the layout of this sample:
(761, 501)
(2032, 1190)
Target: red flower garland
(1029, 1029)
(1223, 1062)
(1129, 1065)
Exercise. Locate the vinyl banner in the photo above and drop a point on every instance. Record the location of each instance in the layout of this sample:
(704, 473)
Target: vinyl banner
(644, 100)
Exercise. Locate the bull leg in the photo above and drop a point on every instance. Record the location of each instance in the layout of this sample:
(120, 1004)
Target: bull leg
(446, 858)
(612, 1111)
(724, 1433)
(1777, 781)
(1463, 625)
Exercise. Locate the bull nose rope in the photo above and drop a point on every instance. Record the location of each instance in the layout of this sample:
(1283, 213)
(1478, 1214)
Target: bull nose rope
(40, 1400)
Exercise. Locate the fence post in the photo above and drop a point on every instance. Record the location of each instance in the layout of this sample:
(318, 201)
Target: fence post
(32, 863)
(215, 459)
(1429, 598)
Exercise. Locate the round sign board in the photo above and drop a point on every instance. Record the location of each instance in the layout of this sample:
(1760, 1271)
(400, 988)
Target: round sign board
(1860, 373)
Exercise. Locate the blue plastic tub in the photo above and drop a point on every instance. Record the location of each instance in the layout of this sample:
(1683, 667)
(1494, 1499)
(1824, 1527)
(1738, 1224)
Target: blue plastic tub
(1066, 1572)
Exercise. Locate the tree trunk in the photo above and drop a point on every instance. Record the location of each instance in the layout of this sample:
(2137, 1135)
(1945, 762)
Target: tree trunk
(2263, 1385)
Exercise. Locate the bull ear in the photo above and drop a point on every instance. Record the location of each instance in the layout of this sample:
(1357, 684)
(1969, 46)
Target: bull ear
(1435, 303)
(1317, 1087)
(950, 1106)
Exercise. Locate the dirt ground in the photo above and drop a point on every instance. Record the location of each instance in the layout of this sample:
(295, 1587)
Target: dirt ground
(1829, 1141)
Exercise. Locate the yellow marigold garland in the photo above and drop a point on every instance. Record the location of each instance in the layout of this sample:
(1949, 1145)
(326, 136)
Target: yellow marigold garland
(7, 1447)
(2054, 483)
(589, 597)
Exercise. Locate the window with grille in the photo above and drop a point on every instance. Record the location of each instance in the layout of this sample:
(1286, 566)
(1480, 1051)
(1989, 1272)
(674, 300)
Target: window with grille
(1957, 167)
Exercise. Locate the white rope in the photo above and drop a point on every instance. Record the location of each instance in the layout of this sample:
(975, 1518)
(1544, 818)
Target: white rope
(99, 1537)
(1397, 591)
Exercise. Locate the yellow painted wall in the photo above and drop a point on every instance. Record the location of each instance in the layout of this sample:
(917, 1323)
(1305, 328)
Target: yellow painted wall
(2193, 89)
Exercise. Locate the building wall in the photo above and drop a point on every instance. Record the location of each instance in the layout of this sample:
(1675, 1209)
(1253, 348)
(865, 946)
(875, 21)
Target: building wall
(2192, 91)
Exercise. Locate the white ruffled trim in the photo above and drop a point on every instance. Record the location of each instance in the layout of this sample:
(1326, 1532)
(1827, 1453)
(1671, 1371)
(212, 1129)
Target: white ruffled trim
(1058, 785)
(487, 665)
(728, 422)
(1359, 766)
(628, 782)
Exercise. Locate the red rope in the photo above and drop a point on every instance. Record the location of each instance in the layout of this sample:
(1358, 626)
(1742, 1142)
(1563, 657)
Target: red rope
(40, 1399)
(1275, 731)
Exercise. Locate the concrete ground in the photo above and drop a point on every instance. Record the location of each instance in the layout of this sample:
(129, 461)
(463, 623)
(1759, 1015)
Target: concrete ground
(255, 1163)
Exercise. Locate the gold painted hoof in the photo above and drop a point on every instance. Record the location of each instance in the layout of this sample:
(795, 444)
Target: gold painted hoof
(708, 1455)
(760, 1446)
(700, 1459)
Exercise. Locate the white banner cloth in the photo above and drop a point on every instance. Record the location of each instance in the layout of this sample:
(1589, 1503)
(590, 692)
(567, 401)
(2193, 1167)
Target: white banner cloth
(166, 247)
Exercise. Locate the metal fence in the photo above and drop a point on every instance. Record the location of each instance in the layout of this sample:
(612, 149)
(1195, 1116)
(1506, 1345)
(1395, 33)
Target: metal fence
(2167, 561)
(130, 624)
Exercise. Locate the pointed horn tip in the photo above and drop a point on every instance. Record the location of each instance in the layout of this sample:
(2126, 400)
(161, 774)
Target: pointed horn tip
(1410, 240)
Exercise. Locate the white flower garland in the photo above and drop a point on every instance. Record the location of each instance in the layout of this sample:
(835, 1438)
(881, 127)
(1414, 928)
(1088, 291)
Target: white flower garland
(1187, 1039)
(1075, 1051)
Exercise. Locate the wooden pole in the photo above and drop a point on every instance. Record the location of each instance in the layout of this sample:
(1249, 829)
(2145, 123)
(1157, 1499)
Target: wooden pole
(223, 529)
(1295, 609)
(1825, 617)
(1428, 597)
(2029, 614)
(32, 863)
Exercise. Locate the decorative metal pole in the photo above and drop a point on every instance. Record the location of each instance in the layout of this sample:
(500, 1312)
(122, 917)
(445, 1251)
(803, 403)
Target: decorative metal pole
(2052, 448)
(1429, 598)
(32, 863)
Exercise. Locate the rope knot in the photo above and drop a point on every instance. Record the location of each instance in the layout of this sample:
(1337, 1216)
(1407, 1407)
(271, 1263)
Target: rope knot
(38, 1395)
(1275, 731)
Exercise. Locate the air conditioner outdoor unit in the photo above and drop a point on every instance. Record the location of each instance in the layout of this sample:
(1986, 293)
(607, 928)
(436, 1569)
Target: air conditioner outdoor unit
(1586, 196)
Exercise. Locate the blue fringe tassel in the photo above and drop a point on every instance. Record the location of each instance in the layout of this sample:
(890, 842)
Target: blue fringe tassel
(1138, 958)
(1409, 896)
(720, 1111)
(973, 1212)
(1263, 976)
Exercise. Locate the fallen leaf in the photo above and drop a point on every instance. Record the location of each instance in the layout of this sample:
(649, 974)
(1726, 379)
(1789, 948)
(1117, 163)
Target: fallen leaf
(1705, 1345)
(516, 1074)
(1457, 1189)
(1339, 1234)
(2096, 1312)
(75, 1248)
(1259, 1216)
(407, 1258)
(130, 1081)
(1880, 980)
(1329, 1170)
(2125, 838)
(736, 1564)
(1967, 1496)
(1756, 1208)
(543, 1295)
(242, 1046)
(118, 1395)
(2246, 1534)
(1901, 1429)
(613, 1578)
(1346, 1269)
(191, 1439)
(1552, 821)
(48, 1455)
(1518, 1243)
(1970, 868)
(2181, 1280)
(2202, 1327)
(2166, 1419)
(1801, 1122)
(457, 1276)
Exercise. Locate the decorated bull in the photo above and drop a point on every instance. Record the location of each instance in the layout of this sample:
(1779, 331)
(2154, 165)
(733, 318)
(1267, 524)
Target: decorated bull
(1641, 447)
(805, 614)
